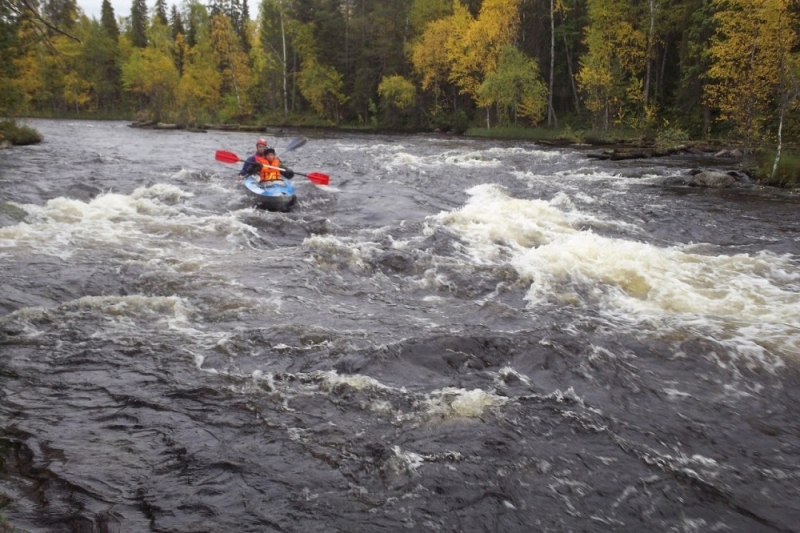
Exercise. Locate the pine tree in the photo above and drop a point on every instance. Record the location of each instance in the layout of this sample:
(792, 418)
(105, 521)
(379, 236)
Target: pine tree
(176, 23)
(108, 21)
(139, 23)
(160, 11)
(178, 34)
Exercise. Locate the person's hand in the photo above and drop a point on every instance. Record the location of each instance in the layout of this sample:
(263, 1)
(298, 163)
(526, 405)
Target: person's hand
(287, 173)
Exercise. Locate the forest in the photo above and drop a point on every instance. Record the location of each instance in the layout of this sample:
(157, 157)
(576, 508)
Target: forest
(667, 69)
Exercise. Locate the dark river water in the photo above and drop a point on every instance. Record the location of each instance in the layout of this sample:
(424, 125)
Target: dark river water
(455, 335)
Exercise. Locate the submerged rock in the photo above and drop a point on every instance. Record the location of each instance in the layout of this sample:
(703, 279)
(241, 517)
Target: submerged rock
(719, 180)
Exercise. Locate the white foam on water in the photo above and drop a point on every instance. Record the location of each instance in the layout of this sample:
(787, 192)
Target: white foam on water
(453, 402)
(530, 152)
(122, 315)
(751, 303)
(412, 461)
(143, 221)
(331, 249)
(331, 379)
(579, 175)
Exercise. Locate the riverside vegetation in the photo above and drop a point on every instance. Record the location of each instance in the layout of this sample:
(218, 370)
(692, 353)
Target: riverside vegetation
(656, 72)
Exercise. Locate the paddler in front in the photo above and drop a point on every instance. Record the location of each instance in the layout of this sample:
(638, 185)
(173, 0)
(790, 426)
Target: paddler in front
(265, 164)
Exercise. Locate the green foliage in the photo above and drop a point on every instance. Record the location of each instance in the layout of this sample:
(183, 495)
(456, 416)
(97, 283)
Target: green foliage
(9, 51)
(138, 23)
(108, 20)
(397, 96)
(749, 54)
(457, 122)
(612, 69)
(18, 135)
(788, 171)
(322, 87)
(515, 87)
(151, 74)
(425, 11)
(671, 135)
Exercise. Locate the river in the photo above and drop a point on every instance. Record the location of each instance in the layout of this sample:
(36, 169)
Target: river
(455, 335)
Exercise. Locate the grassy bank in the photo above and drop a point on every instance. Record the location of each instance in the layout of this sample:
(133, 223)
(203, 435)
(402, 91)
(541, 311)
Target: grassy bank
(787, 174)
(13, 134)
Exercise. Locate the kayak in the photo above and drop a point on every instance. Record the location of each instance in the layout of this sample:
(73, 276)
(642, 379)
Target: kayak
(275, 195)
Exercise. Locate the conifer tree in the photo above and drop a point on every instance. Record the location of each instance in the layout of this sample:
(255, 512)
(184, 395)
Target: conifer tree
(108, 21)
(139, 23)
(178, 35)
(176, 23)
(160, 11)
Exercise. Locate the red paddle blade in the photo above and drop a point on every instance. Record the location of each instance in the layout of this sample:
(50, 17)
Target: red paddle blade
(226, 157)
(319, 178)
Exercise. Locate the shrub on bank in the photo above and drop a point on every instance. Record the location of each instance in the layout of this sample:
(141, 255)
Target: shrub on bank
(18, 135)
(787, 174)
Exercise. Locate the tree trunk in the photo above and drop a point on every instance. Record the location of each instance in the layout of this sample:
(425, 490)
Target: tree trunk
(285, 73)
(572, 78)
(784, 101)
(648, 59)
(551, 114)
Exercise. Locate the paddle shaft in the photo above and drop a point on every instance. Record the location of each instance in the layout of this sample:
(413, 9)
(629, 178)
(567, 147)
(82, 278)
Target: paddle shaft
(279, 168)
(229, 157)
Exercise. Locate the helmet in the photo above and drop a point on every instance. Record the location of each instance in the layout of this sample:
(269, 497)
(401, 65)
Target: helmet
(261, 140)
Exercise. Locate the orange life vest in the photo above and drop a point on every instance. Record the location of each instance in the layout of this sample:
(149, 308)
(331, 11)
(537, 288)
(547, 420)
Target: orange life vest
(267, 173)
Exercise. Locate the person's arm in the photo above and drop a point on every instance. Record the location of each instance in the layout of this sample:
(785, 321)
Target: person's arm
(250, 167)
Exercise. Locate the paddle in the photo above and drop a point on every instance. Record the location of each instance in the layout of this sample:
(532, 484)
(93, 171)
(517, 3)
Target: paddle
(229, 157)
(316, 177)
(296, 143)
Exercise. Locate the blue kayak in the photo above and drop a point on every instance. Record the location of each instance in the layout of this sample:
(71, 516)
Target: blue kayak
(275, 195)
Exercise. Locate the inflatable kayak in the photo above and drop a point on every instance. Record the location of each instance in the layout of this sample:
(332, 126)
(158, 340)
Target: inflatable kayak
(275, 195)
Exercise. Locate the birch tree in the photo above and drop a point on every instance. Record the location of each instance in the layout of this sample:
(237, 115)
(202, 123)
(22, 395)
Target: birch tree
(749, 54)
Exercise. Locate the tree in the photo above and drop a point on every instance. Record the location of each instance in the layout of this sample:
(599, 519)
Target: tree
(10, 52)
(176, 22)
(179, 37)
(61, 13)
(322, 87)
(475, 47)
(233, 64)
(695, 62)
(611, 71)
(160, 12)
(198, 94)
(99, 66)
(516, 87)
(108, 21)
(423, 12)
(151, 72)
(430, 58)
(273, 37)
(397, 95)
(749, 55)
(139, 24)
